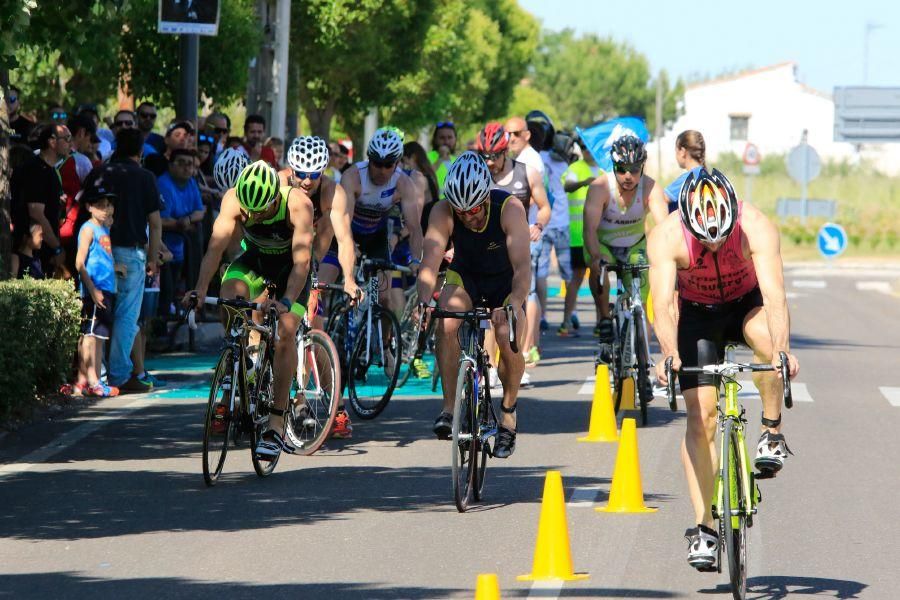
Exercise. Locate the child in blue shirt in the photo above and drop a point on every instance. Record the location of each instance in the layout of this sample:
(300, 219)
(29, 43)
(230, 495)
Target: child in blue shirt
(94, 262)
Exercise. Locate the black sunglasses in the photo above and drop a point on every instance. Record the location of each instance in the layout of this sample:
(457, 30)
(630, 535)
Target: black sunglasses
(492, 155)
(220, 130)
(144, 115)
(623, 168)
(443, 124)
(383, 164)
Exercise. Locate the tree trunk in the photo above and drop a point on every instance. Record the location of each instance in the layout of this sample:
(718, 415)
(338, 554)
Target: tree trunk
(5, 217)
(320, 119)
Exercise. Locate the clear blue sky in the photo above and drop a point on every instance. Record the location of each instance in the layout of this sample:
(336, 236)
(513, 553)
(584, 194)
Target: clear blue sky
(825, 38)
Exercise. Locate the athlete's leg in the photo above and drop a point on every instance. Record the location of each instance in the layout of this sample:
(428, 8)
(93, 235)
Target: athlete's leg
(698, 451)
(455, 298)
(512, 364)
(285, 365)
(328, 273)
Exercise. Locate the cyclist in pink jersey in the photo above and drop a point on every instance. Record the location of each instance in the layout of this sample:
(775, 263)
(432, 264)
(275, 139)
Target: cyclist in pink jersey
(726, 257)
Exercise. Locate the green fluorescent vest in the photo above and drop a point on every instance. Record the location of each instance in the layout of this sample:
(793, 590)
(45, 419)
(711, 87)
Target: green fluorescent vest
(441, 171)
(582, 170)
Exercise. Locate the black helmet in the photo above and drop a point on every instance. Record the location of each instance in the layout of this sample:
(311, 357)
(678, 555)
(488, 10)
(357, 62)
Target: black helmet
(563, 142)
(541, 121)
(629, 150)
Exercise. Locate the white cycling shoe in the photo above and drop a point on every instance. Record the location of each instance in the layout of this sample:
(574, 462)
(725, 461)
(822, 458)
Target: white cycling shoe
(703, 544)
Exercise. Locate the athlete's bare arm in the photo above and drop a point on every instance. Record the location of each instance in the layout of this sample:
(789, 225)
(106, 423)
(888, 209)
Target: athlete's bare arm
(225, 227)
(324, 229)
(539, 197)
(597, 197)
(440, 228)
(300, 209)
(765, 250)
(655, 203)
(411, 203)
(664, 248)
(514, 222)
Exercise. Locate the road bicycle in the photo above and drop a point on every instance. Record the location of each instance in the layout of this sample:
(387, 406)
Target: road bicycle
(736, 495)
(369, 341)
(409, 323)
(628, 357)
(474, 416)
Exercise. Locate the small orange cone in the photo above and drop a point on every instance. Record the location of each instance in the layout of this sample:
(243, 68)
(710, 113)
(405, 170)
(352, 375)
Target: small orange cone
(487, 587)
(603, 417)
(552, 557)
(627, 402)
(626, 494)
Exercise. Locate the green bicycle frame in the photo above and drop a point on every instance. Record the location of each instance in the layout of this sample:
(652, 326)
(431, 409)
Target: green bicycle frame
(732, 413)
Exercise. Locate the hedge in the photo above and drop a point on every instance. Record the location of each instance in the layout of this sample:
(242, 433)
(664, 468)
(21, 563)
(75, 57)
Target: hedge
(39, 328)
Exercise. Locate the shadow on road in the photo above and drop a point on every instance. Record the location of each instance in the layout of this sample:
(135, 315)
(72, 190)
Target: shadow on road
(69, 585)
(593, 593)
(778, 587)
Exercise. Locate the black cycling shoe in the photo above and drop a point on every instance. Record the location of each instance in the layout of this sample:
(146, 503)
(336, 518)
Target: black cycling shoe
(605, 328)
(506, 443)
(443, 426)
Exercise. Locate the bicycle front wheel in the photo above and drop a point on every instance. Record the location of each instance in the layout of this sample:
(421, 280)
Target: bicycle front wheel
(217, 424)
(375, 364)
(464, 438)
(643, 387)
(735, 511)
(315, 393)
(259, 414)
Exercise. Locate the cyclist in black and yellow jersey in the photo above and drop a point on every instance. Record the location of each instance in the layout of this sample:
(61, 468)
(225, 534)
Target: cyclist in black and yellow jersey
(491, 268)
(277, 228)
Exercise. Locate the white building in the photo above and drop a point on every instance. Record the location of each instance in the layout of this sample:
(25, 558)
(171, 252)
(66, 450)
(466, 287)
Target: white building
(770, 108)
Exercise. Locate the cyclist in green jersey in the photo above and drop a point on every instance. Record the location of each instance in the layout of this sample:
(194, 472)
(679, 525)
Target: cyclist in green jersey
(277, 228)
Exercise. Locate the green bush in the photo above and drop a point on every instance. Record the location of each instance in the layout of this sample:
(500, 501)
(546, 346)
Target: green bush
(40, 321)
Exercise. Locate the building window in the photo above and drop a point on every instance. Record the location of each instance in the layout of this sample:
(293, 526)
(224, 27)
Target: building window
(739, 124)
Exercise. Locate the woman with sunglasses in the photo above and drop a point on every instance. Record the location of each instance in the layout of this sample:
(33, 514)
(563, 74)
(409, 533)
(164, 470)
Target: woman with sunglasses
(615, 220)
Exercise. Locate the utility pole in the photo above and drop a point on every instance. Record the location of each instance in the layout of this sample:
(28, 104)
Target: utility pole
(267, 85)
(188, 77)
(659, 126)
(280, 70)
(870, 27)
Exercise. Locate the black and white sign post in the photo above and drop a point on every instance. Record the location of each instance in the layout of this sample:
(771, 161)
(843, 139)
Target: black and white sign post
(751, 160)
(189, 19)
(803, 165)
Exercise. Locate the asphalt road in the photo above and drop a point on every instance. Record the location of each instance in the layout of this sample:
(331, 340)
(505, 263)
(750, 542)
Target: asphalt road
(109, 501)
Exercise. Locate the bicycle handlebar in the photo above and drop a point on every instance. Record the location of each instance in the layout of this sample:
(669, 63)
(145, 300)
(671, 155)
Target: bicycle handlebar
(238, 303)
(728, 368)
(470, 315)
(379, 264)
(621, 269)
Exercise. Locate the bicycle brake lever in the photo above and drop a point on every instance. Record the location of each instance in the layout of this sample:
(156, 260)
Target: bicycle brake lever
(786, 380)
(670, 384)
(513, 322)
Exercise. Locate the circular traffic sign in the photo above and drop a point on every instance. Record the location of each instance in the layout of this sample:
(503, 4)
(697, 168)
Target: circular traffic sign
(832, 240)
(751, 155)
(803, 163)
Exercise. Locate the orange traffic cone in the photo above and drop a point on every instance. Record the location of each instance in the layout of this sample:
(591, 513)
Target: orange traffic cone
(487, 587)
(626, 494)
(552, 557)
(603, 417)
(627, 402)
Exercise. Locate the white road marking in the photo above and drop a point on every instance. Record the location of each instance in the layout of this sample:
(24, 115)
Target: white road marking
(800, 393)
(72, 437)
(545, 589)
(793, 295)
(587, 388)
(874, 286)
(892, 394)
(583, 497)
(810, 283)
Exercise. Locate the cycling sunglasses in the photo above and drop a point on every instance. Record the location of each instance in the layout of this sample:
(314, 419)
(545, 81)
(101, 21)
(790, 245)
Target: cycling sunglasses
(390, 164)
(12, 99)
(59, 115)
(633, 168)
(471, 212)
(494, 156)
(311, 176)
(443, 124)
(206, 138)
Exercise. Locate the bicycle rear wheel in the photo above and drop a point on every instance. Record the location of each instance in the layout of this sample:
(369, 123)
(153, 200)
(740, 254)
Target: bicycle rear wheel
(259, 414)
(217, 424)
(735, 511)
(465, 445)
(314, 405)
(489, 422)
(372, 378)
(619, 363)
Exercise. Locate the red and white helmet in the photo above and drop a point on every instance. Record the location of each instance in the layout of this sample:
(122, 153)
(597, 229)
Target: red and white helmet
(468, 181)
(708, 205)
(492, 139)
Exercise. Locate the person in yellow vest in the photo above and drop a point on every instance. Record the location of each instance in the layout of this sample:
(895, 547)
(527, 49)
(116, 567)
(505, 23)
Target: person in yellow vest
(443, 152)
(576, 180)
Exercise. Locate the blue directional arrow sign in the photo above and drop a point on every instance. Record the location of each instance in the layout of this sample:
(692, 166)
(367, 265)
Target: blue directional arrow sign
(832, 240)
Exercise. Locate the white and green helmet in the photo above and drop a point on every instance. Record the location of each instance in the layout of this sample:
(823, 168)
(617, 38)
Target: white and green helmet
(257, 186)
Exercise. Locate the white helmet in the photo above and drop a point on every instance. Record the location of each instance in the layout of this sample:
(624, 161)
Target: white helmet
(308, 154)
(386, 145)
(468, 181)
(228, 166)
(708, 205)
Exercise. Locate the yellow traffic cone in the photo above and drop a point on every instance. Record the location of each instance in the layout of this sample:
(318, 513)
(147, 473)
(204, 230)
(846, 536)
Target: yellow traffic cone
(487, 587)
(627, 402)
(603, 417)
(626, 494)
(562, 290)
(552, 557)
